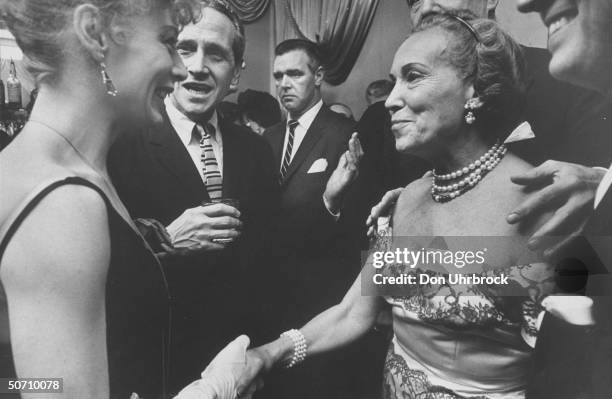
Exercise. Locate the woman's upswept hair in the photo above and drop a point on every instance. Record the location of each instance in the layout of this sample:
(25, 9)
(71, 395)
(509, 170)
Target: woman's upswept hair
(39, 26)
(492, 61)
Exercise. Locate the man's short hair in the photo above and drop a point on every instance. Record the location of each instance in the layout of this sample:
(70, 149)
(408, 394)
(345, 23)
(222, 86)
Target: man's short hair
(225, 8)
(310, 48)
(379, 88)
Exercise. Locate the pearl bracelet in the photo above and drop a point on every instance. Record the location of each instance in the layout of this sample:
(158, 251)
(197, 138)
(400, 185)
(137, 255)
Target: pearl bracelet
(299, 347)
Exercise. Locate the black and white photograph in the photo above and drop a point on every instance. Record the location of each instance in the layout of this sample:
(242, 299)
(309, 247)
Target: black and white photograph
(306, 199)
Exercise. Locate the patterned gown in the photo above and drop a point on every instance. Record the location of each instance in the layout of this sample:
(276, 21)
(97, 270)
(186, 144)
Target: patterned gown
(464, 341)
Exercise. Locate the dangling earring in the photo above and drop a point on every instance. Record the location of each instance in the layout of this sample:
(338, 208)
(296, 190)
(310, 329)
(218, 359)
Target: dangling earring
(107, 81)
(470, 106)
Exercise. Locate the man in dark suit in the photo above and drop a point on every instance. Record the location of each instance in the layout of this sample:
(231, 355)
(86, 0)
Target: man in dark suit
(167, 172)
(317, 244)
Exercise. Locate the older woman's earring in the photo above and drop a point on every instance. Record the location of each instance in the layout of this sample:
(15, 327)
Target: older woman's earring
(108, 83)
(470, 106)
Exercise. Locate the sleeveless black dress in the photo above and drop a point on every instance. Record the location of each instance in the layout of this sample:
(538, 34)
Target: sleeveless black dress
(137, 306)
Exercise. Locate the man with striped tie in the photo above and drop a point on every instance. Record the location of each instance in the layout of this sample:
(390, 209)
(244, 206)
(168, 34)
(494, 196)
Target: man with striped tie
(318, 244)
(166, 173)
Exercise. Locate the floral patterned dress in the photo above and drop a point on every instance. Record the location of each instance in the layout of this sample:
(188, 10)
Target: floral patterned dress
(464, 341)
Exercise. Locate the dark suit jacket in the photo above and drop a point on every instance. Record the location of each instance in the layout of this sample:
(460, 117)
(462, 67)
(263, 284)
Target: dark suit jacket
(319, 260)
(315, 248)
(571, 124)
(156, 178)
(575, 361)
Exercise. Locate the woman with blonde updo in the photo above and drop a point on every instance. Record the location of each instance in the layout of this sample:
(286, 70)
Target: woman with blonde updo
(82, 297)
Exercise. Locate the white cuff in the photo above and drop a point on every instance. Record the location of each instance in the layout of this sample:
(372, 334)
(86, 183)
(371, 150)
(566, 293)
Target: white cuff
(336, 216)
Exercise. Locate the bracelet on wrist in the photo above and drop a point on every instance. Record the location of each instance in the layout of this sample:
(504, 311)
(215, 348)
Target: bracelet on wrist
(299, 347)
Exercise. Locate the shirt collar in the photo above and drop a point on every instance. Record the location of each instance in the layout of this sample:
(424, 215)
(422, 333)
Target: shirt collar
(308, 117)
(184, 126)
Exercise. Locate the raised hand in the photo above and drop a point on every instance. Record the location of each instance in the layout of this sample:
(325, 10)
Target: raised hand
(344, 175)
(566, 189)
(382, 209)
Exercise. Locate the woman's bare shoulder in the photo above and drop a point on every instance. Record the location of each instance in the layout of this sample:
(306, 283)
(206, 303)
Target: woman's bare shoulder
(65, 238)
(416, 190)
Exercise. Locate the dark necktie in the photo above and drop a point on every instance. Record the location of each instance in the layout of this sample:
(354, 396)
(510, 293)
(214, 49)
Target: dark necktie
(287, 156)
(210, 167)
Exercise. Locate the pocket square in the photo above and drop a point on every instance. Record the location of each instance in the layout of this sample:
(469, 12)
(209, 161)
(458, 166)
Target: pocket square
(318, 166)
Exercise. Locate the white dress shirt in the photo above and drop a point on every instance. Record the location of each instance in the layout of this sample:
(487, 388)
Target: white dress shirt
(184, 128)
(304, 123)
(603, 186)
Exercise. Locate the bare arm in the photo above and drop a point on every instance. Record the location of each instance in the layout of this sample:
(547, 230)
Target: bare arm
(334, 328)
(54, 273)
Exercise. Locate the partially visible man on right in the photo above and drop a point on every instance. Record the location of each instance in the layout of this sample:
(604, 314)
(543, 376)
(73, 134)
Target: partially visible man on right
(573, 361)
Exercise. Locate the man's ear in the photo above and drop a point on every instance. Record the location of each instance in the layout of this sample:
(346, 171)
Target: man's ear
(319, 75)
(89, 30)
(236, 77)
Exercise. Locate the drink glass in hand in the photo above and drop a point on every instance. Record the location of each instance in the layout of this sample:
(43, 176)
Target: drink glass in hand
(235, 203)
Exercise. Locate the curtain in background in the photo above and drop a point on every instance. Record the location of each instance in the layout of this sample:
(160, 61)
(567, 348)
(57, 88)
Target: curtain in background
(339, 26)
(250, 10)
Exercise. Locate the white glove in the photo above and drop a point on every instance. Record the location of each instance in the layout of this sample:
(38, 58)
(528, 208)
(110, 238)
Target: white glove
(221, 376)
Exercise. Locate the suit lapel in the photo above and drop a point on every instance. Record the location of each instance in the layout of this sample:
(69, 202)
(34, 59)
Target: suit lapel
(173, 156)
(313, 135)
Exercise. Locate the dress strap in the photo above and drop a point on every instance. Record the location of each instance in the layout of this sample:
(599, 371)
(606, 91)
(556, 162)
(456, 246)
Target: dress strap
(34, 199)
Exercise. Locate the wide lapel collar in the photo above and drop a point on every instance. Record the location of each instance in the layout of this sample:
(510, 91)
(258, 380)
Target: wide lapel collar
(231, 159)
(313, 135)
(173, 156)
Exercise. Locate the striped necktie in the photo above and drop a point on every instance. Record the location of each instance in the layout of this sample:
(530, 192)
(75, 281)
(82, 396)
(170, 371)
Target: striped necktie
(287, 156)
(210, 167)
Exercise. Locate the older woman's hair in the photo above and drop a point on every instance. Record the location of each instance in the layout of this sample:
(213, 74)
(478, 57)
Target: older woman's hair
(39, 26)
(491, 60)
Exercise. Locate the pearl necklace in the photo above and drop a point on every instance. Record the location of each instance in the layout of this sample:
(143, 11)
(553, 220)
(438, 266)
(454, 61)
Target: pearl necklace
(473, 173)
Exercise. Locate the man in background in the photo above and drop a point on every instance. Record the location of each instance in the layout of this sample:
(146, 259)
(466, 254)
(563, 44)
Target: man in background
(318, 242)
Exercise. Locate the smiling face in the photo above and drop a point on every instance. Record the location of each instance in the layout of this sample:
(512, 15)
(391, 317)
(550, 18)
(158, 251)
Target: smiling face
(298, 82)
(144, 68)
(579, 39)
(427, 101)
(206, 50)
(420, 8)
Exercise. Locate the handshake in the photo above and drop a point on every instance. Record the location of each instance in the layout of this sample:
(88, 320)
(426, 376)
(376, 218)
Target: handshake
(233, 373)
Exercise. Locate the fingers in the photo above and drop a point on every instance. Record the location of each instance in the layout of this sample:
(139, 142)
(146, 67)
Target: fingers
(537, 175)
(567, 220)
(225, 222)
(221, 234)
(351, 161)
(242, 343)
(371, 231)
(216, 210)
(556, 246)
(385, 204)
(355, 147)
(547, 197)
